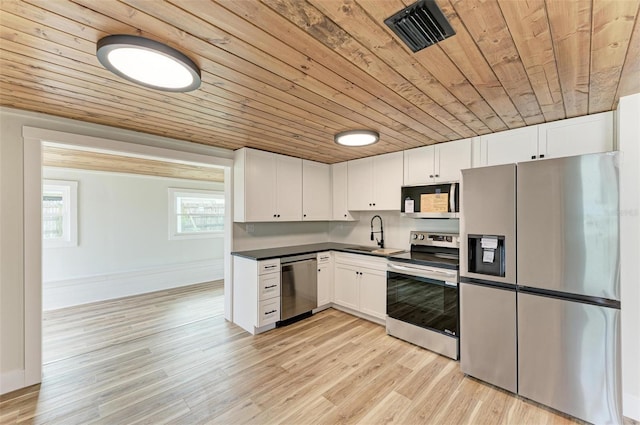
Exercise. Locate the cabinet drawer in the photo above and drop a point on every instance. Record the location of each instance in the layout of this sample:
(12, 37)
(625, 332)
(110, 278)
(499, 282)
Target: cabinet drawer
(269, 286)
(324, 257)
(268, 311)
(269, 266)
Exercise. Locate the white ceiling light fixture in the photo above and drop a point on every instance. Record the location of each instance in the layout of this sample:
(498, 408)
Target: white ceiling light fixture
(356, 137)
(148, 63)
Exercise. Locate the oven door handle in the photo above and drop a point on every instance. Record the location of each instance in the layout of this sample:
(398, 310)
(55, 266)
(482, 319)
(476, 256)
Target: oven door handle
(425, 272)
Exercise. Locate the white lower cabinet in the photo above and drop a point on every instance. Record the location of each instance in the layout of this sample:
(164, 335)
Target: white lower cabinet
(373, 293)
(347, 283)
(256, 289)
(360, 284)
(325, 279)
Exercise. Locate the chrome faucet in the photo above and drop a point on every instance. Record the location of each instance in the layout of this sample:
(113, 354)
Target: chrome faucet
(381, 241)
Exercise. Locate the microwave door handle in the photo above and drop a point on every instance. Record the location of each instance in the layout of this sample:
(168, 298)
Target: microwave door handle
(428, 273)
(452, 198)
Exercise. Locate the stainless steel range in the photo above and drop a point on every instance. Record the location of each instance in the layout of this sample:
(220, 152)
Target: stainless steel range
(422, 293)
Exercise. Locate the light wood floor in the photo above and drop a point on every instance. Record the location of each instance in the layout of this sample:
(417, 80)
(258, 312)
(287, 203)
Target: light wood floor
(170, 357)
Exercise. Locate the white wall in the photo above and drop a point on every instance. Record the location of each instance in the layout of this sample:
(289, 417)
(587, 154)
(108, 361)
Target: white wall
(251, 236)
(123, 234)
(396, 229)
(629, 145)
(12, 229)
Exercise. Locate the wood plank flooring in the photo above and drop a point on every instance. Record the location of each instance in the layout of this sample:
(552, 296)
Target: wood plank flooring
(171, 358)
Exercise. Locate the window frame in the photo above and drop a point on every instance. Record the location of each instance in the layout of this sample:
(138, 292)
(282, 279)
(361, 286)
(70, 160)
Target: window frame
(173, 215)
(70, 214)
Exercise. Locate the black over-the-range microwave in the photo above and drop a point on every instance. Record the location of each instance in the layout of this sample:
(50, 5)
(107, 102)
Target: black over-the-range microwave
(440, 200)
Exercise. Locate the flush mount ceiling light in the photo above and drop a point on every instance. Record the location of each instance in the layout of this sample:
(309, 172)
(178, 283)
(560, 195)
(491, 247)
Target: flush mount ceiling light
(356, 137)
(148, 63)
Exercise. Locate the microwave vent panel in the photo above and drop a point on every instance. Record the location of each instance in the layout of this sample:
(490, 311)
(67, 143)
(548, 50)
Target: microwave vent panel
(420, 25)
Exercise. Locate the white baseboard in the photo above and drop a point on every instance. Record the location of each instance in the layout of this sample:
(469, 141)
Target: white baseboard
(83, 290)
(631, 406)
(11, 381)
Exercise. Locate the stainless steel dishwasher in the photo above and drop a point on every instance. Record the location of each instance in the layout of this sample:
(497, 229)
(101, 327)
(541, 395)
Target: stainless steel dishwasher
(298, 287)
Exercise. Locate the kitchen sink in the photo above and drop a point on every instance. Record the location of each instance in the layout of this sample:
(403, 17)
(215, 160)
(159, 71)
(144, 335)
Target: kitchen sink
(374, 250)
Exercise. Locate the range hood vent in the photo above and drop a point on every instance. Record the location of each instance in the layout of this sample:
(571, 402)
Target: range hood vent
(420, 25)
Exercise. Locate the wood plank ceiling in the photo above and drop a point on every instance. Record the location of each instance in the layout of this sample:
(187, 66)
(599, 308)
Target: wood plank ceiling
(53, 156)
(286, 75)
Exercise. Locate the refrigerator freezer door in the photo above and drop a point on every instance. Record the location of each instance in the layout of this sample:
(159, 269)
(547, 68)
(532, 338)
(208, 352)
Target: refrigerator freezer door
(568, 225)
(487, 206)
(488, 334)
(568, 357)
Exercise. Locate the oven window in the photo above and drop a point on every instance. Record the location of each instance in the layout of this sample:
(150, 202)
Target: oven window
(423, 302)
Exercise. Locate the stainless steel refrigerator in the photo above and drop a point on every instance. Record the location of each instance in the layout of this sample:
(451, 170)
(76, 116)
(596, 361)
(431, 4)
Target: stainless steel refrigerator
(567, 274)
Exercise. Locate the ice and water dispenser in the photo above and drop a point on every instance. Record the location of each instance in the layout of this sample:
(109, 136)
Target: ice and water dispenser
(486, 254)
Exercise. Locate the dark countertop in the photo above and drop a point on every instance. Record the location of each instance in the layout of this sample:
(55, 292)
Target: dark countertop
(287, 251)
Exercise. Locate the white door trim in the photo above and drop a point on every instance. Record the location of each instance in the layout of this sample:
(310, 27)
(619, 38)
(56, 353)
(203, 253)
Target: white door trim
(34, 138)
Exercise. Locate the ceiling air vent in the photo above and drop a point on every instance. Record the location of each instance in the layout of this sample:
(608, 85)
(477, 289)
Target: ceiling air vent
(420, 25)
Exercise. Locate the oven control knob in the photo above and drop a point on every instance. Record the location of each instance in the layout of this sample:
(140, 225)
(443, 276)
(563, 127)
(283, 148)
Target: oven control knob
(421, 237)
(415, 236)
(449, 238)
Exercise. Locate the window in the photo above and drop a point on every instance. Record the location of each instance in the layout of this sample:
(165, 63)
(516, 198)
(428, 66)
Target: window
(195, 213)
(59, 213)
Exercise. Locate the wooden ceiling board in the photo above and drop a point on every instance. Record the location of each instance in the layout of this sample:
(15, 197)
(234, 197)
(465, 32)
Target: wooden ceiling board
(97, 161)
(630, 77)
(275, 25)
(612, 26)
(309, 19)
(269, 82)
(384, 46)
(527, 21)
(464, 52)
(436, 62)
(286, 75)
(572, 47)
(484, 21)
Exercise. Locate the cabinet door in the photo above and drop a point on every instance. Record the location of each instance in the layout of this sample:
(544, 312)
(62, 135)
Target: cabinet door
(345, 286)
(316, 191)
(577, 136)
(260, 185)
(288, 188)
(387, 181)
(418, 165)
(509, 146)
(450, 158)
(325, 284)
(339, 192)
(359, 175)
(373, 293)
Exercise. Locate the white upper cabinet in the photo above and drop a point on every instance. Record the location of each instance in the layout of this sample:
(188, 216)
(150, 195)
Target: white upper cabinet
(316, 191)
(374, 183)
(339, 192)
(509, 146)
(267, 186)
(574, 136)
(438, 163)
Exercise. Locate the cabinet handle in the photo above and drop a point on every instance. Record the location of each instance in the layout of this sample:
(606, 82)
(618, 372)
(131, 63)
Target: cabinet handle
(430, 176)
(533, 157)
(318, 270)
(542, 156)
(270, 286)
(266, 313)
(345, 215)
(278, 215)
(437, 175)
(374, 204)
(271, 266)
(274, 215)
(304, 215)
